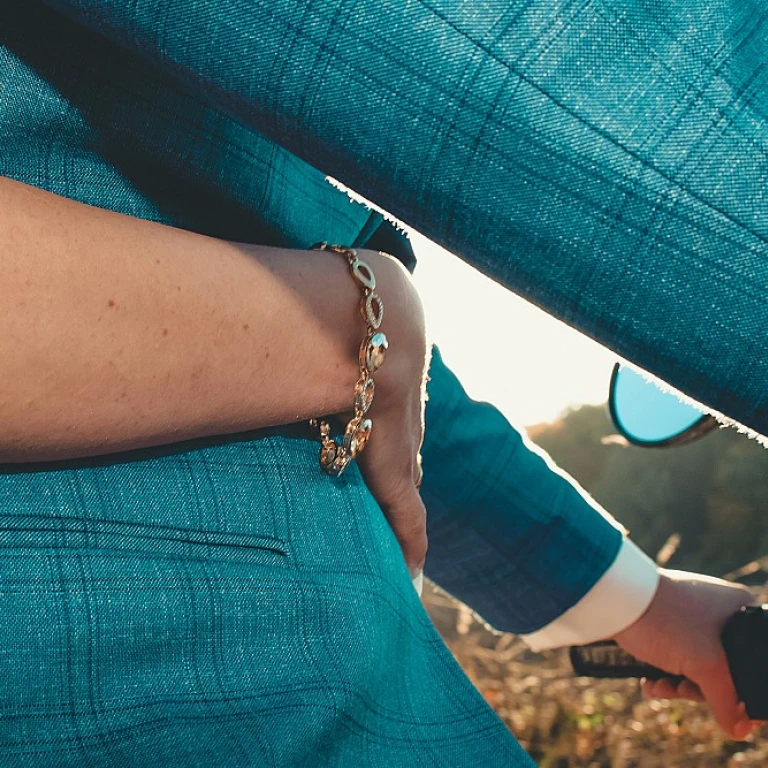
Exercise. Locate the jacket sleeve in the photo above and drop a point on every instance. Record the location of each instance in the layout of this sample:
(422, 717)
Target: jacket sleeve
(499, 513)
(512, 535)
(605, 161)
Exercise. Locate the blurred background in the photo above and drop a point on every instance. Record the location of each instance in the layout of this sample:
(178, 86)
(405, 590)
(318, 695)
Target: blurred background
(695, 507)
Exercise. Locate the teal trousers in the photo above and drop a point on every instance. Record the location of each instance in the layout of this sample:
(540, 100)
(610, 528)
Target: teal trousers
(222, 605)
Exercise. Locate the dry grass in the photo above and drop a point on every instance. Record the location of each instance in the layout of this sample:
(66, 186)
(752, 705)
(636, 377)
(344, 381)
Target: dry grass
(564, 721)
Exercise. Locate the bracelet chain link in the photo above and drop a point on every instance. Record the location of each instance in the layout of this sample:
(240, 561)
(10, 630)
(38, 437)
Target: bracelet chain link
(334, 456)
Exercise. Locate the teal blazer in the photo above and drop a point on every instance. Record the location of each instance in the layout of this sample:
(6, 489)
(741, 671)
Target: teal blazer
(193, 605)
(607, 161)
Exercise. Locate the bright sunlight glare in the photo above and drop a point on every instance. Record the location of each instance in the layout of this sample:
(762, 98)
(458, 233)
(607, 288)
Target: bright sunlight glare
(503, 349)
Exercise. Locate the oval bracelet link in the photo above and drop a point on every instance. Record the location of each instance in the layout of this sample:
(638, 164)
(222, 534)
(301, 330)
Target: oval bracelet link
(362, 272)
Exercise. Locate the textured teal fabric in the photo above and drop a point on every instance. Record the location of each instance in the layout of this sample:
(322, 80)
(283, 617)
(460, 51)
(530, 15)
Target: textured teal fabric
(84, 120)
(510, 537)
(223, 617)
(89, 121)
(606, 159)
(223, 602)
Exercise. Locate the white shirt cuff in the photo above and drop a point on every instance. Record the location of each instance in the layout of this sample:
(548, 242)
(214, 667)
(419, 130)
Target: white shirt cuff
(617, 600)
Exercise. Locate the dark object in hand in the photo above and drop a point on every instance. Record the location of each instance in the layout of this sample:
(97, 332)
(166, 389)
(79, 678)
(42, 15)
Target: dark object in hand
(745, 640)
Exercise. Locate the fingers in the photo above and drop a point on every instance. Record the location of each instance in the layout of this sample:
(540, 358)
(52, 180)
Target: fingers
(717, 691)
(391, 466)
(666, 688)
(689, 690)
(408, 520)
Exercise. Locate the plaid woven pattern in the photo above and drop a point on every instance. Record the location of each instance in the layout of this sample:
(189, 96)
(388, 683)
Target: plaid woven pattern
(219, 602)
(128, 138)
(508, 534)
(605, 159)
(223, 606)
(87, 121)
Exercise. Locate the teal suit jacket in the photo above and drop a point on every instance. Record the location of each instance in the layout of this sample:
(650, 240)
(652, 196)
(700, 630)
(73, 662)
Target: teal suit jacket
(514, 540)
(607, 161)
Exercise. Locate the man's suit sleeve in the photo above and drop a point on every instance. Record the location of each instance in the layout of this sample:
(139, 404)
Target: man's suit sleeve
(605, 160)
(513, 536)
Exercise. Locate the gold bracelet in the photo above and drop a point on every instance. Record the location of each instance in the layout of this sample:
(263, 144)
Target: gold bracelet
(335, 457)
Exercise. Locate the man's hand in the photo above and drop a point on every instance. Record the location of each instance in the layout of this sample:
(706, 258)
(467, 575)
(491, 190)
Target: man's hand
(680, 633)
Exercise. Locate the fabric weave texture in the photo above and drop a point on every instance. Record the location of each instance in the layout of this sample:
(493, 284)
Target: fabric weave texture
(198, 607)
(607, 160)
(221, 602)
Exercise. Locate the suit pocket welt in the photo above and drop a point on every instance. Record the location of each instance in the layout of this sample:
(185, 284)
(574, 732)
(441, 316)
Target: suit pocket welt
(34, 531)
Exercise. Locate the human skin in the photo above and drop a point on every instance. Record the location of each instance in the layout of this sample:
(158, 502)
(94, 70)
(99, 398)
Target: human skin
(120, 333)
(680, 633)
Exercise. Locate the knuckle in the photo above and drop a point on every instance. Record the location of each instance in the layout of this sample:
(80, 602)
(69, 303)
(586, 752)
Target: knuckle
(402, 490)
(411, 531)
(412, 527)
(416, 551)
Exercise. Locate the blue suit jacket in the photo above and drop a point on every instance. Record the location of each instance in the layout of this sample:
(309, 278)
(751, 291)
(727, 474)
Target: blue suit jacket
(508, 534)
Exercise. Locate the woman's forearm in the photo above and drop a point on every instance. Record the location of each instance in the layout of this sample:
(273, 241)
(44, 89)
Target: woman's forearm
(119, 333)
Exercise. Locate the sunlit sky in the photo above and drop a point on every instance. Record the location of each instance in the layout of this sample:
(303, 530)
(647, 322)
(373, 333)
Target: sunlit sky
(503, 349)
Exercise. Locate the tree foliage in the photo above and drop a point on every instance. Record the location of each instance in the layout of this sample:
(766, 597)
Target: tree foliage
(713, 493)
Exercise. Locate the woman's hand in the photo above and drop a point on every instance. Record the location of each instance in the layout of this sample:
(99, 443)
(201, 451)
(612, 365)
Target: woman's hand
(391, 463)
(125, 333)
